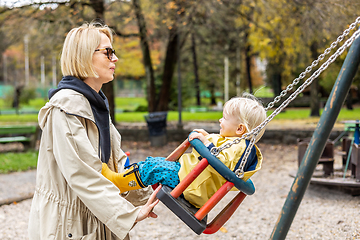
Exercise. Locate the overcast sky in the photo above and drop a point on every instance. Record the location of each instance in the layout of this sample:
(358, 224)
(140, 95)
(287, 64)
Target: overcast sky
(18, 3)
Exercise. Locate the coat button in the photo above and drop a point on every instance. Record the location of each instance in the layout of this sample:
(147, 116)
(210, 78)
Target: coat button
(70, 235)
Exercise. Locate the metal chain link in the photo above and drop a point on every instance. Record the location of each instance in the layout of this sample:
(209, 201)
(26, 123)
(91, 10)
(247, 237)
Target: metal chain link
(252, 134)
(313, 64)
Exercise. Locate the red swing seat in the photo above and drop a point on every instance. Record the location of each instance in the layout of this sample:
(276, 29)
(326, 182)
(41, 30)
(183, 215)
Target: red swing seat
(196, 218)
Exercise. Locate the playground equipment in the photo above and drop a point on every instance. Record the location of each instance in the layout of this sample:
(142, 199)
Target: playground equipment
(339, 178)
(320, 136)
(316, 144)
(326, 158)
(196, 219)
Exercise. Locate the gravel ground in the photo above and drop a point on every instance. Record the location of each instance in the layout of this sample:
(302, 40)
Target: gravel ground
(323, 214)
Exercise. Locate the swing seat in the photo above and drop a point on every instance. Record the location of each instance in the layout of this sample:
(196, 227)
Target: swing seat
(183, 209)
(196, 218)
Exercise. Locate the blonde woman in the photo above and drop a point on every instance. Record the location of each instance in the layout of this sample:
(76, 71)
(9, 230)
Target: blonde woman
(240, 115)
(72, 199)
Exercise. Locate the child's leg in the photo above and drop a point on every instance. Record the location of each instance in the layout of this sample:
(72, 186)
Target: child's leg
(157, 170)
(125, 181)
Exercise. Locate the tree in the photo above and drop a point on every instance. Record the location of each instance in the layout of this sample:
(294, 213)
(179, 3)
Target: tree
(149, 71)
(154, 28)
(196, 74)
(78, 12)
(289, 34)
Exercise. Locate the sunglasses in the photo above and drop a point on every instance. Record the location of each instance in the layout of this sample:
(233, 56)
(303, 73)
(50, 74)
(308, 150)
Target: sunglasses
(109, 52)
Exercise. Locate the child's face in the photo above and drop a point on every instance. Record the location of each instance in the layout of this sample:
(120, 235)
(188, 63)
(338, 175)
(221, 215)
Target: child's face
(228, 126)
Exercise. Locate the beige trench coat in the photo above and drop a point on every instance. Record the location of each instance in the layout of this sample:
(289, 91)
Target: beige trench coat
(72, 200)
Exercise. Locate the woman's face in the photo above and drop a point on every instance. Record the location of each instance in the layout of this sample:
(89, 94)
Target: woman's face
(103, 66)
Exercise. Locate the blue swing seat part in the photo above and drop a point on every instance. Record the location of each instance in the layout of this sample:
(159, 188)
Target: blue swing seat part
(246, 187)
(187, 212)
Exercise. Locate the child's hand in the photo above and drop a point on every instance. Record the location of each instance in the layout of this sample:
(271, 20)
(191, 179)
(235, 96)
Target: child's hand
(146, 210)
(199, 136)
(202, 131)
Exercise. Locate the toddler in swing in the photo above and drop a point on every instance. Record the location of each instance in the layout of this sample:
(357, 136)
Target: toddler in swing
(240, 115)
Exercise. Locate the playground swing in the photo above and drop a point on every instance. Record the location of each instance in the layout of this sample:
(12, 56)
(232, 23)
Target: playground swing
(196, 218)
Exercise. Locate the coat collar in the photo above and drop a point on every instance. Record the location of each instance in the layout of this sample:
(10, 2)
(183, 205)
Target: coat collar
(65, 99)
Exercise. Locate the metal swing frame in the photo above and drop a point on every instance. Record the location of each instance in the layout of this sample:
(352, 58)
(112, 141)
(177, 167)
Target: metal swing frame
(320, 136)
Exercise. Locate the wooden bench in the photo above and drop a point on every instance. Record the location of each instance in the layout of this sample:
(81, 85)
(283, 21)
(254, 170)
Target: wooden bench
(326, 158)
(26, 134)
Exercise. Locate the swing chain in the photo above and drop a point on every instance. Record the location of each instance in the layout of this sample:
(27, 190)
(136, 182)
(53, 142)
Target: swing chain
(313, 64)
(217, 150)
(323, 67)
(307, 82)
(240, 171)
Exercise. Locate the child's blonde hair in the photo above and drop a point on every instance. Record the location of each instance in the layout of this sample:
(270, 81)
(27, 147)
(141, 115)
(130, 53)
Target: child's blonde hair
(79, 47)
(248, 110)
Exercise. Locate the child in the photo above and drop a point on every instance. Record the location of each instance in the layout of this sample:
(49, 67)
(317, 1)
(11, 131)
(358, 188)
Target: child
(240, 115)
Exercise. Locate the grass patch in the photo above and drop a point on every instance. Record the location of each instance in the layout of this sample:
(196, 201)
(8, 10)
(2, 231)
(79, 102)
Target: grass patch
(10, 162)
(129, 104)
(304, 113)
(264, 92)
(288, 114)
(172, 116)
(13, 119)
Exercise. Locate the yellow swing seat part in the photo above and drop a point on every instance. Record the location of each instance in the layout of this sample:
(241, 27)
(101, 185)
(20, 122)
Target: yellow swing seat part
(126, 181)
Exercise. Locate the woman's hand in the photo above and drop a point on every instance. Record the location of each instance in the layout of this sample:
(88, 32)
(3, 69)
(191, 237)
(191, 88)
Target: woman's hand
(146, 210)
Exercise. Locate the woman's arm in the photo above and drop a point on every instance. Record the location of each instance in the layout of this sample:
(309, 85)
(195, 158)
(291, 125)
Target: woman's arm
(80, 165)
(146, 210)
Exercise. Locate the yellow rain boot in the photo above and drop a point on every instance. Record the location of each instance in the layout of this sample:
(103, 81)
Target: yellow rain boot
(126, 181)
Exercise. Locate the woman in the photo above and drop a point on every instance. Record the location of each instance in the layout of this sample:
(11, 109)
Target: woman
(72, 199)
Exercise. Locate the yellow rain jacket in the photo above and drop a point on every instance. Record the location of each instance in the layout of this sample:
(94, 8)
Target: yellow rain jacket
(209, 181)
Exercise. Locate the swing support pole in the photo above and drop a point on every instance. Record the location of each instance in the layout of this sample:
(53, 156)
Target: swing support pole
(318, 141)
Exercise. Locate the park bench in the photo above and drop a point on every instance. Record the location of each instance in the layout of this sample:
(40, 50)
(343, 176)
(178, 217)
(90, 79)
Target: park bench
(326, 158)
(26, 134)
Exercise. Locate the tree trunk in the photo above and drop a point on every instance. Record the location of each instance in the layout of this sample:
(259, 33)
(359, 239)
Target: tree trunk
(17, 94)
(98, 6)
(248, 63)
(212, 86)
(314, 87)
(169, 68)
(107, 88)
(276, 82)
(197, 82)
(273, 70)
(149, 71)
(349, 101)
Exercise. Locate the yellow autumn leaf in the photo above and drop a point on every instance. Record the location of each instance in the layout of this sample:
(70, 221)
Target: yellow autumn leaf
(223, 229)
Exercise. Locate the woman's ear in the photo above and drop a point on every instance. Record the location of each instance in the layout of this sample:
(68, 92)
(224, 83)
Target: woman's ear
(241, 129)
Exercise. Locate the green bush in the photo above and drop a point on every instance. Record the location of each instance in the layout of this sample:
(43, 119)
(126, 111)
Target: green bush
(26, 95)
(37, 103)
(141, 108)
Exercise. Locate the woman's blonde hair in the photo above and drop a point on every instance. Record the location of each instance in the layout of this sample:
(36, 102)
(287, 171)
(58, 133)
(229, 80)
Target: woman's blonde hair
(247, 110)
(79, 47)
